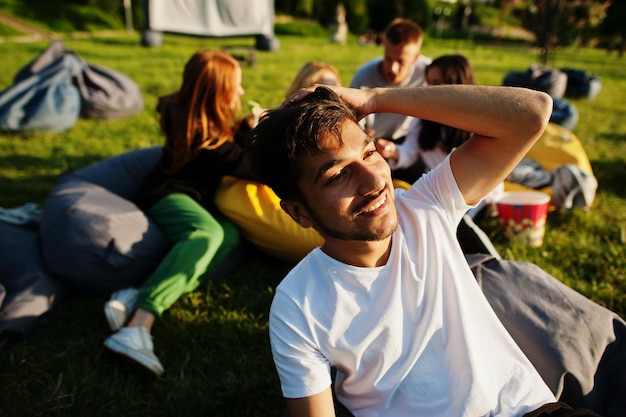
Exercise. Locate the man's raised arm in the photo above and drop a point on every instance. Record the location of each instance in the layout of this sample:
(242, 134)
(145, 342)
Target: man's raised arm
(505, 121)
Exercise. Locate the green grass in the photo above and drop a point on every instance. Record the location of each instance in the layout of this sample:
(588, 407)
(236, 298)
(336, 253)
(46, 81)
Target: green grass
(9, 31)
(213, 342)
(59, 16)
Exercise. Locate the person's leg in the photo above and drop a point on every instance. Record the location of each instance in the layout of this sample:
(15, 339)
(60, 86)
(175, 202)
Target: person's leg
(201, 241)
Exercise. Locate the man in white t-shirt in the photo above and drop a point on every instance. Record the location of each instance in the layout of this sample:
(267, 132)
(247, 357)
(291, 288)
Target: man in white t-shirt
(402, 65)
(388, 300)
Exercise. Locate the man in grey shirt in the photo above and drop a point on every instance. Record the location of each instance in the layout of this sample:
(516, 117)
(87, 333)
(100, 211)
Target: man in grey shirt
(401, 66)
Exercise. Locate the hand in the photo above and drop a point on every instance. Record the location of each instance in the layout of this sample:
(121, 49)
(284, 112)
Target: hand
(256, 111)
(387, 149)
(361, 99)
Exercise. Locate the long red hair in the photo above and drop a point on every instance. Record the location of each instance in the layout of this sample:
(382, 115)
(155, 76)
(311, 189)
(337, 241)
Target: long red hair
(202, 114)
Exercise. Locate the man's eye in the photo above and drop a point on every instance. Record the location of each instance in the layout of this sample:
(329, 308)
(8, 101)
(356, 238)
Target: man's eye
(337, 176)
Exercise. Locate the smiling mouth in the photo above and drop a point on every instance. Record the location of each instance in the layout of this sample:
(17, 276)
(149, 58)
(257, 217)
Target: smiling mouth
(378, 202)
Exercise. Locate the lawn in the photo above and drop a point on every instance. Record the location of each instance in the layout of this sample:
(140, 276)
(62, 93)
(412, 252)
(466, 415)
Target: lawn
(213, 342)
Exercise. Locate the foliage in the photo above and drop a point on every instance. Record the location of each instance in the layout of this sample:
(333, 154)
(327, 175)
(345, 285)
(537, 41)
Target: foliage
(361, 15)
(560, 22)
(68, 16)
(356, 13)
(297, 8)
(74, 15)
(494, 17)
(381, 12)
(613, 25)
(299, 27)
(324, 11)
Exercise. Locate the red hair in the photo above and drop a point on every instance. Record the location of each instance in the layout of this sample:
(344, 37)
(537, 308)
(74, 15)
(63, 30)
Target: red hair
(202, 114)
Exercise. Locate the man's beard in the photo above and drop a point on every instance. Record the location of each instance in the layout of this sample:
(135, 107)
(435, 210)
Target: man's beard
(352, 235)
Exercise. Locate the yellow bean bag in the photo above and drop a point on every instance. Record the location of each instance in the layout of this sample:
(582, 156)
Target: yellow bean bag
(256, 210)
(557, 146)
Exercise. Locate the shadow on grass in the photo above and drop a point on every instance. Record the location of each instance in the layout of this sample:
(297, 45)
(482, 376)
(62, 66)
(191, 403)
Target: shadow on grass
(27, 178)
(611, 176)
(213, 344)
(125, 41)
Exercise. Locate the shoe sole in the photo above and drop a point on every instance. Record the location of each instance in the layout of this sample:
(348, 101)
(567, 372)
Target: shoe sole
(133, 358)
(111, 310)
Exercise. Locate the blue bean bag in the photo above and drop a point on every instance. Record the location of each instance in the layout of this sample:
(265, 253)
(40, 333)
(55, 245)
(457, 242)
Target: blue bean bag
(564, 113)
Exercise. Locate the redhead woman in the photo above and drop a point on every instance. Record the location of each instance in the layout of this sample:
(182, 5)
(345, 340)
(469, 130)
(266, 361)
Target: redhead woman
(203, 136)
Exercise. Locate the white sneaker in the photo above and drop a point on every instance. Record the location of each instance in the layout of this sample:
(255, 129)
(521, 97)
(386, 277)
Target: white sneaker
(135, 344)
(120, 306)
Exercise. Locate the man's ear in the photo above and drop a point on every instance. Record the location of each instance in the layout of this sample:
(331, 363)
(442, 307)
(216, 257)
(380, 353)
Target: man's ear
(298, 212)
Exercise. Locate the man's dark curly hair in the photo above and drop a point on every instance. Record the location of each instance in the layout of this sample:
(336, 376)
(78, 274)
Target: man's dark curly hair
(285, 134)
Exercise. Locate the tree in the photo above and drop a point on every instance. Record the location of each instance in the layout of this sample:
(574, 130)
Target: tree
(356, 13)
(299, 8)
(613, 28)
(560, 22)
(381, 12)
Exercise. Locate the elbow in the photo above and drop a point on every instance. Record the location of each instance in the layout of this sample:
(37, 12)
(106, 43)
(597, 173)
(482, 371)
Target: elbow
(541, 111)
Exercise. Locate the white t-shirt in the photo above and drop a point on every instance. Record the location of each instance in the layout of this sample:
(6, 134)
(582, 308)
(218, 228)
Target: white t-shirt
(415, 337)
(388, 125)
(409, 152)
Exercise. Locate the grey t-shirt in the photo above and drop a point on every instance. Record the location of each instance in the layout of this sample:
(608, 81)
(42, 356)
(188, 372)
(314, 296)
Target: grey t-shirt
(388, 125)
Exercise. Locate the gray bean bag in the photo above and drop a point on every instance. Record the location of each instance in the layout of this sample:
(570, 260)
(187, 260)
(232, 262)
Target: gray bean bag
(578, 346)
(92, 236)
(28, 293)
(95, 239)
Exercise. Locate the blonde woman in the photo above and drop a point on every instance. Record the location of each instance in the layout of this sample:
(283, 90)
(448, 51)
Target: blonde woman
(314, 72)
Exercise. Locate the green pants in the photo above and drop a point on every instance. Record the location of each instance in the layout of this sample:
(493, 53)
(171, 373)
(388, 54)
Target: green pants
(201, 241)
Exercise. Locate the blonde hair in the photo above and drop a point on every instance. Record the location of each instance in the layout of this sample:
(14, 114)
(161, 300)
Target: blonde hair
(311, 73)
(202, 113)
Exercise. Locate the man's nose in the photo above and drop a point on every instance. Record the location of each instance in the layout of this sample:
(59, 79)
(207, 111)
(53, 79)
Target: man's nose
(370, 180)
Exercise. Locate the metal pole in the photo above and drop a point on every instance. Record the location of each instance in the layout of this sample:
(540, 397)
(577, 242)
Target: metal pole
(128, 13)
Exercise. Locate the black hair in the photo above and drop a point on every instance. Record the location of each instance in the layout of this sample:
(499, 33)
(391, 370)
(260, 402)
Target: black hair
(295, 129)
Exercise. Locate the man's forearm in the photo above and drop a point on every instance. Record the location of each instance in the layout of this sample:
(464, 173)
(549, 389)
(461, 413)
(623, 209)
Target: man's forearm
(485, 110)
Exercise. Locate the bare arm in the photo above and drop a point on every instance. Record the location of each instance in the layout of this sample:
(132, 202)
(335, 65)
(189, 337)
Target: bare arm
(318, 405)
(506, 122)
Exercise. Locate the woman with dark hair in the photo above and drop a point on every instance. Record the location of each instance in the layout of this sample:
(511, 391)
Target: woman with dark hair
(203, 131)
(428, 142)
(447, 69)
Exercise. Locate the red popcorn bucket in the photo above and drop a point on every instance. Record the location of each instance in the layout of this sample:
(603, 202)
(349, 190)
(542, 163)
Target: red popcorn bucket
(522, 215)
